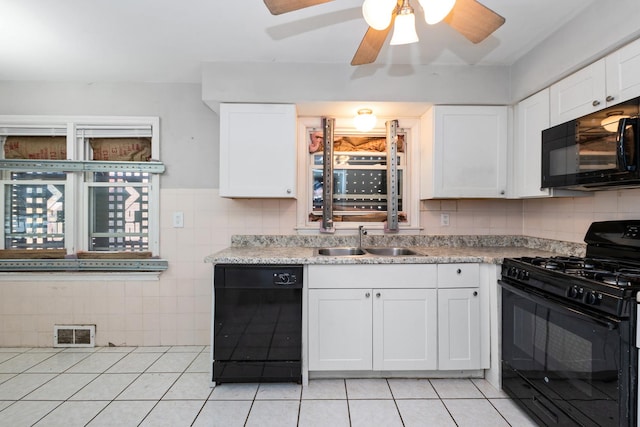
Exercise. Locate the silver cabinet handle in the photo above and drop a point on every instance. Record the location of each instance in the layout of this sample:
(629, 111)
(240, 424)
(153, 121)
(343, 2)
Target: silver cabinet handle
(378, 294)
(595, 103)
(610, 98)
(367, 295)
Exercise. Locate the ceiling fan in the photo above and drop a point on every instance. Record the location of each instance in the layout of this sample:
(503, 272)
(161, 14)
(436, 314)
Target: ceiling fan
(470, 18)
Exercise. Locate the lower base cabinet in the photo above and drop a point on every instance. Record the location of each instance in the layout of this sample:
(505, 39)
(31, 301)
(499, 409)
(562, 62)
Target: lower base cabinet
(459, 338)
(401, 317)
(372, 329)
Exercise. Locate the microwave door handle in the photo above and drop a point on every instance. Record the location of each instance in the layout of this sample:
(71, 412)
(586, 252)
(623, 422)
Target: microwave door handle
(620, 142)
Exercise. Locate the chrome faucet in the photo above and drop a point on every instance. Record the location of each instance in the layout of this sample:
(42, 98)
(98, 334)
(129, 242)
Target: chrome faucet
(361, 232)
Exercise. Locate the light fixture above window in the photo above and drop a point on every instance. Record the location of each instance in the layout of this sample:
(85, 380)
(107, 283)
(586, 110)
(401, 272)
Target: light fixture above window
(404, 28)
(365, 120)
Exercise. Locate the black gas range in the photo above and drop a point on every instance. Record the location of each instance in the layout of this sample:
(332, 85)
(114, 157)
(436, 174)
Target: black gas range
(569, 325)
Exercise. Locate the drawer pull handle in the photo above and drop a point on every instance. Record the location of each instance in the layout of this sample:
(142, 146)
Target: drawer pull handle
(458, 271)
(475, 293)
(367, 295)
(378, 294)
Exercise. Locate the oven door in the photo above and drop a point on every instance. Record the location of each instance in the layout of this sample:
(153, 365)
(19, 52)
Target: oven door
(561, 362)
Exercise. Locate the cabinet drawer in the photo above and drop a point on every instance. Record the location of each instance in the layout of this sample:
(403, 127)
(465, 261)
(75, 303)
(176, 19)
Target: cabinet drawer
(372, 276)
(458, 275)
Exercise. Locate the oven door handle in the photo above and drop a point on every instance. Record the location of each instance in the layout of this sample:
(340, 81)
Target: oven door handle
(610, 324)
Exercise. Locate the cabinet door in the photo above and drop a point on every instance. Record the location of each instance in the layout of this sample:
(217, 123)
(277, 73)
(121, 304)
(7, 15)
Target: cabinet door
(340, 329)
(469, 153)
(459, 329)
(531, 118)
(405, 329)
(623, 73)
(581, 93)
(258, 150)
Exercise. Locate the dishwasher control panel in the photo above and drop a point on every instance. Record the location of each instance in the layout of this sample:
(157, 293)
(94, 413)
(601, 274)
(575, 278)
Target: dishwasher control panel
(284, 279)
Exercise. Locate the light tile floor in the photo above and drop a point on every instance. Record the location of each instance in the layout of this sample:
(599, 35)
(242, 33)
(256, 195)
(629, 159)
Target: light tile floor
(169, 386)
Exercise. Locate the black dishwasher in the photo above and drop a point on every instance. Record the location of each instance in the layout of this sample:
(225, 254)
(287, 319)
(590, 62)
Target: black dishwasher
(257, 323)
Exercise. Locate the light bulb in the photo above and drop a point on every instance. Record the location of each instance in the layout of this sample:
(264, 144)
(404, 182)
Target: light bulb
(436, 10)
(404, 29)
(365, 120)
(378, 13)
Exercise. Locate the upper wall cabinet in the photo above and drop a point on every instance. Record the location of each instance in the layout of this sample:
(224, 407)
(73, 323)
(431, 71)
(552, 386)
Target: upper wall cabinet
(531, 118)
(609, 81)
(258, 150)
(464, 152)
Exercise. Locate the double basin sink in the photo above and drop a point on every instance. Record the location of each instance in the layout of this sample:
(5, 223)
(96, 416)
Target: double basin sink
(382, 251)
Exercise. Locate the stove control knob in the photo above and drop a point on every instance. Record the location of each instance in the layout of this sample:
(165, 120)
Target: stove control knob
(574, 292)
(592, 298)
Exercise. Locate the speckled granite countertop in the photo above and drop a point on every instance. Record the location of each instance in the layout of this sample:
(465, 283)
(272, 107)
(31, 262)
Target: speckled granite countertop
(432, 249)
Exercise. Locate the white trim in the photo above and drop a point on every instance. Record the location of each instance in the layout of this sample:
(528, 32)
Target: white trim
(78, 128)
(411, 179)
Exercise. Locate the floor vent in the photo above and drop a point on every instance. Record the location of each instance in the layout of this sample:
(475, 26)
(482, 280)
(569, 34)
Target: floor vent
(74, 335)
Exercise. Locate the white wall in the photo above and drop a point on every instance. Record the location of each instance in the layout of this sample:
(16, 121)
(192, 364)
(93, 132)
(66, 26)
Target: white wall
(601, 28)
(301, 83)
(188, 129)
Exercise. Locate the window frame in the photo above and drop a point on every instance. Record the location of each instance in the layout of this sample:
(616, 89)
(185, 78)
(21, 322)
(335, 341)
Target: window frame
(80, 164)
(344, 126)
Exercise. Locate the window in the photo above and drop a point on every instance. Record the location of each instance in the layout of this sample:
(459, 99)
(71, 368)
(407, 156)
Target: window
(360, 177)
(87, 184)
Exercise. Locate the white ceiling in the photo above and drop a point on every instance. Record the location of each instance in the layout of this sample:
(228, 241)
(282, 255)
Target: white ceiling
(166, 41)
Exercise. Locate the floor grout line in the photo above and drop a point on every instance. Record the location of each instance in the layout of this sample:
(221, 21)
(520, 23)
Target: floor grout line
(202, 401)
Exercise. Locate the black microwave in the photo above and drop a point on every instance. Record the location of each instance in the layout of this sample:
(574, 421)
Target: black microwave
(597, 151)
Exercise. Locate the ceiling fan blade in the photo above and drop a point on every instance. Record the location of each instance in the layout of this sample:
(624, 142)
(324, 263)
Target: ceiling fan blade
(277, 7)
(474, 20)
(371, 44)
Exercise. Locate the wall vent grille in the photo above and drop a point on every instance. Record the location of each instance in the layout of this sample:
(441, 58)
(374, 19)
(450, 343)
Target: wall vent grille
(74, 335)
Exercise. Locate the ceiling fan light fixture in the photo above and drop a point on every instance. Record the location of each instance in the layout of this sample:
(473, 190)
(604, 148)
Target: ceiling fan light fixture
(365, 120)
(378, 13)
(436, 10)
(404, 28)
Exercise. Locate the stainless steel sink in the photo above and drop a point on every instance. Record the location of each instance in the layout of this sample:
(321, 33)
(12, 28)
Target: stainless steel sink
(341, 251)
(391, 251)
(382, 251)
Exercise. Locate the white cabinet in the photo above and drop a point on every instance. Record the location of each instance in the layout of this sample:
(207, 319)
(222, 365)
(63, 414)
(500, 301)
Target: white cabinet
(393, 317)
(404, 329)
(531, 118)
(459, 329)
(460, 323)
(355, 327)
(340, 325)
(609, 81)
(578, 94)
(623, 73)
(464, 152)
(258, 150)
